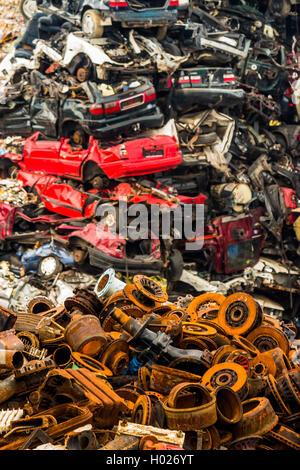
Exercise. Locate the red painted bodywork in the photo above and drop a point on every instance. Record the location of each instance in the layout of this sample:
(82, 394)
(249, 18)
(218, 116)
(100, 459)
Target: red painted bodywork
(133, 158)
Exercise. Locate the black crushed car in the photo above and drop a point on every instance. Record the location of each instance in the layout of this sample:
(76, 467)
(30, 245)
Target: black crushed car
(77, 111)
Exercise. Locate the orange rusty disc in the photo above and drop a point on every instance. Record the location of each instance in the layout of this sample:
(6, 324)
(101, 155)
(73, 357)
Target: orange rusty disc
(144, 376)
(144, 303)
(221, 354)
(268, 337)
(239, 314)
(141, 413)
(205, 301)
(258, 418)
(227, 374)
(263, 364)
(198, 329)
(150, 288)
(245, 345)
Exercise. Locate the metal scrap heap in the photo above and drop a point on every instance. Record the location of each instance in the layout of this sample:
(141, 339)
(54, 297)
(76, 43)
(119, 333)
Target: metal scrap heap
(121, 367)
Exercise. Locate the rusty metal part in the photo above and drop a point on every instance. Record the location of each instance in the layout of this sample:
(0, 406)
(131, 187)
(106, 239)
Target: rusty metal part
(115, 356)
(176, 313)
(227, 374)
(274, 396)
(269, 320)
(74, 418)
(83, 440)
(87, 362)
(221, 354)
(268, 337)
(221, 340)
(209, 314)
(165, 309)
(239, 314)
(256, 386)
(288, 390)
(43, 326)
(144, 376)
(122, 443)
(85, 335)
(28, 339)
(214, 325)
(129, 395)
(7, 416)
(244, 344)
(190, 407)
(198, 329)
(141, 412)
(193, 342)
(39, 304)
(11, 348)
(149, 288)
(163, 435)
(273, 362)
(118, 300)
(62, 356)
(108, 284)
(211, 439)
(27, 424)
(258, 418)
(163, 379)
(137, 298)
(293, 421)
(287, 436)
(246, 443)
(204, 301)
(7, 319)
(240, 357)
(105, 404)
(83, 301)
(225, 437)
(158, 396)
(229, 405)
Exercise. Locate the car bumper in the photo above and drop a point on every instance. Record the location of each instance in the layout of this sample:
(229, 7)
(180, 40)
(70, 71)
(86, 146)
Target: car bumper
(145, 19)
(215, 96)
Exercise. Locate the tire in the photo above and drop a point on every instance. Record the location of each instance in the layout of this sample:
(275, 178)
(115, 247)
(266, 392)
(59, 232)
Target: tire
(91, 24)
(161, 32)
(76, 134)
(171, 49)
(49, 266)
(28, 8)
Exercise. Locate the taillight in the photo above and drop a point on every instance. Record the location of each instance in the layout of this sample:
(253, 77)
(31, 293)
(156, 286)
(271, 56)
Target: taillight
(96, 109)
(112, 107)
(150, 95)
(117, 4)
(174, 3)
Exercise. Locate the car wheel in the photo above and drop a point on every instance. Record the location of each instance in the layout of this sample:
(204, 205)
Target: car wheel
(49, 266)
(28, 8)
(91, 24)
(97, 182)
(76, 134)
(161, 32)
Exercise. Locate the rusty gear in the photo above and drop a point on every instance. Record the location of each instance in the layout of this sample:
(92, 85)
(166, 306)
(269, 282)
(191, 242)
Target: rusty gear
(204, 301)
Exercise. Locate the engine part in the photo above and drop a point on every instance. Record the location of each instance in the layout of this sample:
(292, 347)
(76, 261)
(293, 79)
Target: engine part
(81, 440)
(204, 301)
(11, 348)
(190, 407)
(85, 335)
(87, 362)
(229, 406)
(274, 396)
(6, 418)
(287, 436)
(39, 304)
(168, 436)
(115, 356)
(62, 356)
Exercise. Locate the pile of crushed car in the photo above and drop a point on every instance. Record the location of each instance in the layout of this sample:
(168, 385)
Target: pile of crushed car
(147, 344)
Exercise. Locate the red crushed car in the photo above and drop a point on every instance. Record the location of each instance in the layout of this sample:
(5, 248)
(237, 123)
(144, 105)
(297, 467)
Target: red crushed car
(132, 158)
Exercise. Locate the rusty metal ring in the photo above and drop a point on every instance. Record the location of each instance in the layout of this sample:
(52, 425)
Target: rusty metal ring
(144, 376)
(221, 354)
(37, 304)
(30, 338)
(203, 301)
(229, 405)
(198, 329)
(138, 299)
(269, 337)
(149, 288)
(258, 418)
(239, 314)
(227, 374)
(272, 386)
(190, 407)
(115, 356)
(287, 436)
(213, 324)
(244, 344)
(87, 362)
(141, 413)
(156, 395)
(288, 389)
(211, 438)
